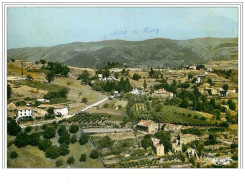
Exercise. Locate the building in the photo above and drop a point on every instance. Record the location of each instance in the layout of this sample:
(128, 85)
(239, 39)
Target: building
(100, 77)
(24, 112)
(191, 152)
(61, 110)
(42, 100)
(163, 93)
(177, 146)
(193, 67)
(159, 148)
(148, 126)
(199, 80)
(137, 92)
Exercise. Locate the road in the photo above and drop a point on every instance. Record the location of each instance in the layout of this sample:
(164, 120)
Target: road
(68, 116)
(106, 130)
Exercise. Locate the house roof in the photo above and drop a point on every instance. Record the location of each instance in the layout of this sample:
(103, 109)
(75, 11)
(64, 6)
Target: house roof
(11, 106)
(145, 123)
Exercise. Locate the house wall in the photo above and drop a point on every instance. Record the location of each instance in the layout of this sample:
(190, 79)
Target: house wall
(22, 113)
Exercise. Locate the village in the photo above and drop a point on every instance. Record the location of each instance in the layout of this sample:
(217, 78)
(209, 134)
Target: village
(119, 116)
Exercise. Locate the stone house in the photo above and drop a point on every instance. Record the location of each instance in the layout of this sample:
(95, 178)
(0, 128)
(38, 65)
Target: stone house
(148, 126)
(159, 148)
(163, 93)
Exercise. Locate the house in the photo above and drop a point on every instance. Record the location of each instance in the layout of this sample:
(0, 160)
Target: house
(191, 152)
(100, 76)
(116, 94)
(231, 91)
(148, 126)
(177, 146)
(137, 92)
(193, 67)
(222, 161)
(61, 110)
(163, 93)
(24, 112)
(159, 148)
(198, 80)
(42, 100)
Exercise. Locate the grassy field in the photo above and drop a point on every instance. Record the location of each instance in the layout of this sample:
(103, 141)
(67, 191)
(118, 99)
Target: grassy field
(32, 157)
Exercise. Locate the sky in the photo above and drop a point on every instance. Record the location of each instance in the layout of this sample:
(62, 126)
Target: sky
(32, 27)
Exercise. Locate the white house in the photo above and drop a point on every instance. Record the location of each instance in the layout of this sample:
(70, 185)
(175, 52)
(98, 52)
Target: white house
(42, 100)
(61, 110)
(193, 67)
(137, 92)
(24, 112)
(100, 76)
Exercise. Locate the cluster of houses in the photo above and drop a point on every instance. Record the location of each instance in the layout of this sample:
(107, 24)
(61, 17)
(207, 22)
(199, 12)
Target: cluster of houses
(36, 112)
(101, 78)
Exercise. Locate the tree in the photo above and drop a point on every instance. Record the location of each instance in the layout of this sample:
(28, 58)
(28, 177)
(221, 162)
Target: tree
(83, 158)
(52, 152)
(29, 77)
(43, 61)
(44, 144)
(73, 139)
(28, 129)
(94, 154)
(145, 85)
(84, 100)
(151, 73)
(190, 76)
(64, 137)
(22, 140)
(9, 91)
(50, 76)
(59, 162)
(105, 142)
(225, 87)
(85, 77)
(49, 132)
(12, 127)
(51, 110)
(184, 104)
(165, 139)
(70, 160)
(73, 128)
(64, 149)
(34, 139)
(13, 154)
(136, 76)
(84, 139)
(146, 142)
(192, 160)
(210, 82)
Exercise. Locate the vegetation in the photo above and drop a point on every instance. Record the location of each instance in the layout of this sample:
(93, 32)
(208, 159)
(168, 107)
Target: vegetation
(73, 128)
(83, 158)
(94, 154)
(84, 139)
(12, 127)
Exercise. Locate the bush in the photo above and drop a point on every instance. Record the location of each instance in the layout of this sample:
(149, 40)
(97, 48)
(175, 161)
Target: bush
(22, 140)
(49, 132)
(84, 139)
(12, 127)
(52, 152)
(70, 160)
(28, 129)
(73, 128)
(94, 154)
(84, 100)
(13, 154)
(59, 162)
(83, 158)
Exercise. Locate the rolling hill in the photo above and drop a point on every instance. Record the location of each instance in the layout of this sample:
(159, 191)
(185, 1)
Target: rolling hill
(151, 53)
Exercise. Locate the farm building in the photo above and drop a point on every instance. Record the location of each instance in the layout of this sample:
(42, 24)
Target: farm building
(61, 110)
(159, 147)
(148, 126)
(163, 93)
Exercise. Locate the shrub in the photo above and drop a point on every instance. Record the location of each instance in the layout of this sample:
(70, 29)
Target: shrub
(59, 162)
(84, 139)
(13, 154)
(84, 100)
(94, 154)
(22, 140)
(12, 127)
(73, 128)
(28, 129)
(83, 158)
(70, 160)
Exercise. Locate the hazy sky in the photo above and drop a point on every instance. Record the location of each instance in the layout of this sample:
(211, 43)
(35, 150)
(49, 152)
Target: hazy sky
(30, 27)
